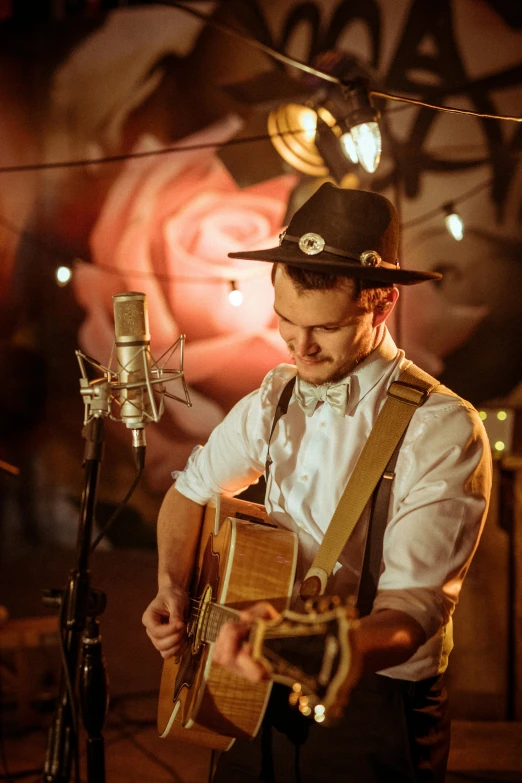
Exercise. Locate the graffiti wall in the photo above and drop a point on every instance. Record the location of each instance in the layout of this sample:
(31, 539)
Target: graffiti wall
(134, 152)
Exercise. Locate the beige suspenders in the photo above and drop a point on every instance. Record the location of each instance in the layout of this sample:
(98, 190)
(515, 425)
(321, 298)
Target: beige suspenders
(405, 395)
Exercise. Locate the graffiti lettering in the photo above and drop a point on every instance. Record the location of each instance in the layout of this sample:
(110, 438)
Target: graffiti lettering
(434, 76)
(446, 68)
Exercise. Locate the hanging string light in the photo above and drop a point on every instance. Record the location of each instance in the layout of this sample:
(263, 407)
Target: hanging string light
(235, 296)
(453, 221)
(362, 121)
(63, 275)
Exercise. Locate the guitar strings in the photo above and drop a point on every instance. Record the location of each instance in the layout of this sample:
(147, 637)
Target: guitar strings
(210, 617)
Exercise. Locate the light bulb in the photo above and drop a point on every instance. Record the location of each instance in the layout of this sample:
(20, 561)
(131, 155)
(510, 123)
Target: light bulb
(454, 224)
(63, 275)
(348, 146)
(235, 297)
(308, 122)
(367, 141)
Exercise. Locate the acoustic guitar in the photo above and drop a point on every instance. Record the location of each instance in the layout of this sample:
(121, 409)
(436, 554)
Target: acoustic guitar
(243, 558)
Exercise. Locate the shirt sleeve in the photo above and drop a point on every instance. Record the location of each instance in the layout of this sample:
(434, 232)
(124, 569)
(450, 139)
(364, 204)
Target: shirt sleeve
(235, 453)
(438, 510)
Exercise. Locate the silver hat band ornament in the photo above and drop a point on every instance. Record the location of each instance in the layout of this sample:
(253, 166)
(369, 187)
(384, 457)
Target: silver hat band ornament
(312, 244)
(371, 258)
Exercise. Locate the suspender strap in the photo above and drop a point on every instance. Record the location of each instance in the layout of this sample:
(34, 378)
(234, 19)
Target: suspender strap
(371, 569)
(282, 407)
(404, 397)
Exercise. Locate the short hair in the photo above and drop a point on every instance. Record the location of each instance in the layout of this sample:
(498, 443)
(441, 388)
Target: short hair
(367, 293)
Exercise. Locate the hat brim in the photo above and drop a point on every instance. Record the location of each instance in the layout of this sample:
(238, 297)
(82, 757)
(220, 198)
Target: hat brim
(326, 262)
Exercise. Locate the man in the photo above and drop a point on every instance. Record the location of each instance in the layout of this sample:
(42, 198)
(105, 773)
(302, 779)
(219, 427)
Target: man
(334, 278)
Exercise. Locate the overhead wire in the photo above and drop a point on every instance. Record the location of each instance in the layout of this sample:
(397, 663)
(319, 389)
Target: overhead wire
(293, 62)
(285, 59)
(137, 273)
(456, 200)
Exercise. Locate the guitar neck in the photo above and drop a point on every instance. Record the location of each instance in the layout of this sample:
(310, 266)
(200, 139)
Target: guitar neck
(214, 618)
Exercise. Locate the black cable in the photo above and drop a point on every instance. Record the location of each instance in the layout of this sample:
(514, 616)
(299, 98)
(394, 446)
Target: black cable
(67, 164)
(103, 532)
(131, 737)
(121, 720)
(253, 42)
(121, 735)
(457, 200)
(70, 693)
(212, 280)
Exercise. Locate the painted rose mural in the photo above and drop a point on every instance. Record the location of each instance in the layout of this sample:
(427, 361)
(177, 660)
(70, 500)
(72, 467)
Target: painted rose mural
(94, 95)
(166, 228)
(139, 79)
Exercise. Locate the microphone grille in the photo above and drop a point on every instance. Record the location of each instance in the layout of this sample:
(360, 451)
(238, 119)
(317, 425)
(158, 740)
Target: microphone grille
(130, 315)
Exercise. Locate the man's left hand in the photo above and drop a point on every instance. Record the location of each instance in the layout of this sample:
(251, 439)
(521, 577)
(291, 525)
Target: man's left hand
(232, 649)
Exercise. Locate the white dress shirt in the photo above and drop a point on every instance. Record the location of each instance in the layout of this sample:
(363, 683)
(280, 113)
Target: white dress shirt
(438, 501)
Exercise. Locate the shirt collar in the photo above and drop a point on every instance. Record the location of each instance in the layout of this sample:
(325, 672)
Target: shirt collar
(370, 371)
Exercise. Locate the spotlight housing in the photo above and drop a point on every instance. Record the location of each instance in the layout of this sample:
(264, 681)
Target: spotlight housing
(293, 130)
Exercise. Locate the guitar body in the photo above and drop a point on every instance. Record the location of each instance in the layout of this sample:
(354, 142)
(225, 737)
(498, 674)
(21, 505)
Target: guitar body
(239, 562)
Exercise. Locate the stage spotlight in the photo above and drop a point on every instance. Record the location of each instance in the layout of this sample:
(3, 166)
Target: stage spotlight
(293, 130)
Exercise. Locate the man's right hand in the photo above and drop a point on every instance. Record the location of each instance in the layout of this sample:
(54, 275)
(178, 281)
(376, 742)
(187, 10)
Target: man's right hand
(164, 620)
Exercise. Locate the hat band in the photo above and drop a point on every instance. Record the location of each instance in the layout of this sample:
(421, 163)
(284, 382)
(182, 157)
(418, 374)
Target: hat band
(367, 258)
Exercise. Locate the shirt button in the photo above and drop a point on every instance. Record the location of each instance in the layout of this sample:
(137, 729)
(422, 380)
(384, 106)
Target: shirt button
(304, 477)
(323, 424)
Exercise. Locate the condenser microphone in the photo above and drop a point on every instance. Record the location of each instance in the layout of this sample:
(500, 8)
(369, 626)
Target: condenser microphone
(131, 323)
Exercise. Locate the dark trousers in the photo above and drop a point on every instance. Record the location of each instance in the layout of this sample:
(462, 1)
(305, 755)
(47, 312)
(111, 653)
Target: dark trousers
(393, 731)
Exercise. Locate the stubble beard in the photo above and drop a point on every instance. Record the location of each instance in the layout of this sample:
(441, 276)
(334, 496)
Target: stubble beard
(342, 372)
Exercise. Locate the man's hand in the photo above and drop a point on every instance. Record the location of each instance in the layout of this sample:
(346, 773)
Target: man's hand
(233, 651)
(164, 620)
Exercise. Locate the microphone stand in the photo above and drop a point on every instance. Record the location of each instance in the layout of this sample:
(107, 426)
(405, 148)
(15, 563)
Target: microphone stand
(83, 676)
(83, 666)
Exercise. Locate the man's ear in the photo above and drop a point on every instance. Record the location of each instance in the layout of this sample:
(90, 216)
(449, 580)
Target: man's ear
(385, 306)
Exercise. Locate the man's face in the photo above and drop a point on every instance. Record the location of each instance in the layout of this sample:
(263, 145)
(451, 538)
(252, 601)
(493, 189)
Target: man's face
(326, 332)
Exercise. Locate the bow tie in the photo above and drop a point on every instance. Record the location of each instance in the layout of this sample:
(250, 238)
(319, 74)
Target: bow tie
(335, 394)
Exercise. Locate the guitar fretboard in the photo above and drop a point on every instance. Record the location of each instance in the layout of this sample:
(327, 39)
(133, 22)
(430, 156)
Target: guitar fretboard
(214, 618)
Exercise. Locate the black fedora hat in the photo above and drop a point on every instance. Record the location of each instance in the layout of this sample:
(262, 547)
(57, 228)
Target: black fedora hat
(347, 232)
